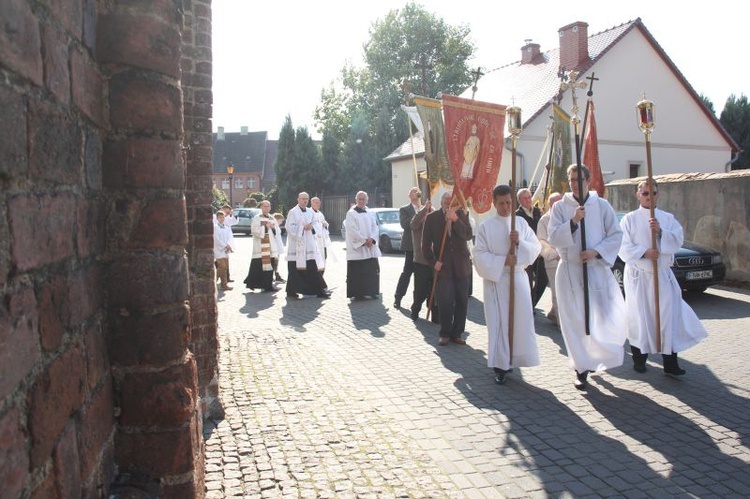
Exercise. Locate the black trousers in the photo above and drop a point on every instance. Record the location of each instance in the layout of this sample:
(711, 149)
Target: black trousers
(403, 280)
(538, 280)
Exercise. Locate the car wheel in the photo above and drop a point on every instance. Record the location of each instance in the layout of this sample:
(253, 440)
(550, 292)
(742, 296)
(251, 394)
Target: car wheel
(696, 291)
(618, 272)
(385, 244)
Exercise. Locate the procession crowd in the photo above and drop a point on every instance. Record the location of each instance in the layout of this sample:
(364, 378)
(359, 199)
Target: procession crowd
(570, 247)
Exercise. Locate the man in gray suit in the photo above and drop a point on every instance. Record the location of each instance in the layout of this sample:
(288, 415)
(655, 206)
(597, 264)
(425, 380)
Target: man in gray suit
(405, 214)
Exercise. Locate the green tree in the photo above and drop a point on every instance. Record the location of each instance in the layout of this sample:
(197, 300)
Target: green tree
(363, 112)
(707, 102)
(735, 118)
(219, 199)
(307, 164)
(284, 165)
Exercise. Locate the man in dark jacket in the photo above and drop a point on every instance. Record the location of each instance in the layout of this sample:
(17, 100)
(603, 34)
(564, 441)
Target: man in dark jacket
(405, 214)
(452, 266)
(536, 271)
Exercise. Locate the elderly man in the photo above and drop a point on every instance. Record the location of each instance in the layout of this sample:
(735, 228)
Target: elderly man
(320, 229)
(362, 251)
(305, 263)
(452, 266)
(602, 348)
(493, 261)
(405, 214)
(549, 253)
(536, 270)
(679, 326)
(267, 245)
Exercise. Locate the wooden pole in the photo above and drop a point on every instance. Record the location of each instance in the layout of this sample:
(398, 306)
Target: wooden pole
(654, 245)
(512, 269)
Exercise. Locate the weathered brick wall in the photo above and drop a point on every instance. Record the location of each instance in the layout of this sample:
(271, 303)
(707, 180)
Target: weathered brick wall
(96, 375)
(198, 100)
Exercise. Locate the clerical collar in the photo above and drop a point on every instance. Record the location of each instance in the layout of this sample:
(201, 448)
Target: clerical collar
(302, 209)
(316, 211)
(360, 210)
(584, 199)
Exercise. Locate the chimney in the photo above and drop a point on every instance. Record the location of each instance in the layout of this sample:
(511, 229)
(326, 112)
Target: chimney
(574, 45)
(530, 53)
(243, 130)
(220, 133)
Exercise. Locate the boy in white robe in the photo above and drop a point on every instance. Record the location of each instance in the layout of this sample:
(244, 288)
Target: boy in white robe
(680, 327)
(603, 348)
(493, 264)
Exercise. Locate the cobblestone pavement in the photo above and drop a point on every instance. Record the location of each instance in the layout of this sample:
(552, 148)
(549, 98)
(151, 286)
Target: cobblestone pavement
(332, 398)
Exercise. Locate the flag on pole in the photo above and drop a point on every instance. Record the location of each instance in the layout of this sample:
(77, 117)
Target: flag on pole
(413, 114)
(562, 153)
(474, 139)
(591, 154)
(436, 158)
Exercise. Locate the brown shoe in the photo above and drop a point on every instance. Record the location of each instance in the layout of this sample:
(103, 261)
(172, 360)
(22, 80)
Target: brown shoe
(227, 288)
(458, 340)
(444, 340)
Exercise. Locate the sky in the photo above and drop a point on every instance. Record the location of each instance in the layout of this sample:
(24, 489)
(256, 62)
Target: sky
(273, 58)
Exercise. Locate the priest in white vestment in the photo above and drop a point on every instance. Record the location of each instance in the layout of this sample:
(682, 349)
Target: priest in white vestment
(305, 263)
(603, 348)
(493, 264)
(680, 327)
(362, 251)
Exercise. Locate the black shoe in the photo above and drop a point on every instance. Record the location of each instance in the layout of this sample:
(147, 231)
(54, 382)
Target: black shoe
(414, 315)
(674, 371)
(500, 376)
(294, 296)
(397, 304)
(581, 382)
(639, 367)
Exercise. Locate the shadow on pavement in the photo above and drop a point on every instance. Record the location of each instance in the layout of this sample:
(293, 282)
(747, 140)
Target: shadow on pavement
(369, 315)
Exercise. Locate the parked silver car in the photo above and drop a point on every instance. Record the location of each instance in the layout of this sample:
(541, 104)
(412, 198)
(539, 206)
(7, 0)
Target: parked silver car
(389, 228)
(244, 217)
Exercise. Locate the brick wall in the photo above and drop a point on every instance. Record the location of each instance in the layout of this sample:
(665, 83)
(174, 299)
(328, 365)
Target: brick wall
(101, 283)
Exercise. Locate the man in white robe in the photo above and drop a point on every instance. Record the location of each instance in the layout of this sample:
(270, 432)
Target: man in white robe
(362, 251)
(549, 253)
(320, 229)
(603, 348)
(305, 263)
(680, 327)
(267, 244)
(493, 263)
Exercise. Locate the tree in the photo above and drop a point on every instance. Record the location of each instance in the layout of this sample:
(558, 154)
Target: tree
(363, 112)
(735, 118)
(284, 165)
(707, 102)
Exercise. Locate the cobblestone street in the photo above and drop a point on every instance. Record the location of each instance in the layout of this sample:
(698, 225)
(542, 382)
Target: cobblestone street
(332, 398)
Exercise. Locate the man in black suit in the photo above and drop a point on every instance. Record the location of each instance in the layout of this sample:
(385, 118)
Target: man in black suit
(405, 214)
(536, 271)
(452, 268)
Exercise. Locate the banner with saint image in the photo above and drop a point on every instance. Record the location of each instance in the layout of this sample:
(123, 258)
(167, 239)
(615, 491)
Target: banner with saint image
(438, 169)
(474, 136)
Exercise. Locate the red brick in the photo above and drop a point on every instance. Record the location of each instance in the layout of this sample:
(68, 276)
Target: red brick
(164, 399)
(55, 145)
(142, 163)
(20, 46)
(91, 227)
(67, 464)
(47, 489)
(14, 459)
(55, 58)
(141, 41)
(147, 281)
(142, 106)
(132, 340)
(39, 223)
(53, 400)
(13, 138)
(84, 288)
(19, 326)
(70, 15)
(97, 366)
(160, 224)
(96, 430)
(87, 86)
(182, 490)
(158, 453)
(54, 312)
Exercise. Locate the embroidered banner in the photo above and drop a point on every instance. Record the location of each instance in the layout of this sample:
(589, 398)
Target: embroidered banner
(438, 169)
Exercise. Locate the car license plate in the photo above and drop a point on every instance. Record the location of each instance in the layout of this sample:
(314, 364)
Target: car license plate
(699, 274)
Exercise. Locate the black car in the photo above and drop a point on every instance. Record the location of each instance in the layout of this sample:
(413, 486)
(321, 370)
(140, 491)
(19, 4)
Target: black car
(696, 267)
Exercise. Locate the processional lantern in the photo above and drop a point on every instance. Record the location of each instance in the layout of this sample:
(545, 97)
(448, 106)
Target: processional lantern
(513, 116)
(645, 115)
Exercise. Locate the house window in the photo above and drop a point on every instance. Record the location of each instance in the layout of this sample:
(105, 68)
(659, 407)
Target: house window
(238, 183)
(635, 170)
(251, 182)
(225, 184)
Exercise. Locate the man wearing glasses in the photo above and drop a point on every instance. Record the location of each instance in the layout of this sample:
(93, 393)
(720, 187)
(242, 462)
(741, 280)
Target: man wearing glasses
(680, 327)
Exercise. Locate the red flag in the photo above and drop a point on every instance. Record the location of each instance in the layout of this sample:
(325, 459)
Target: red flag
(474, 138)
(591, 154)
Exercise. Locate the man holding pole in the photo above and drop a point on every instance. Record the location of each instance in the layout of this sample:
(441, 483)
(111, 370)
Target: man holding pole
(601, 347)
(444, 244)
(680, 327)
(494, 261)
